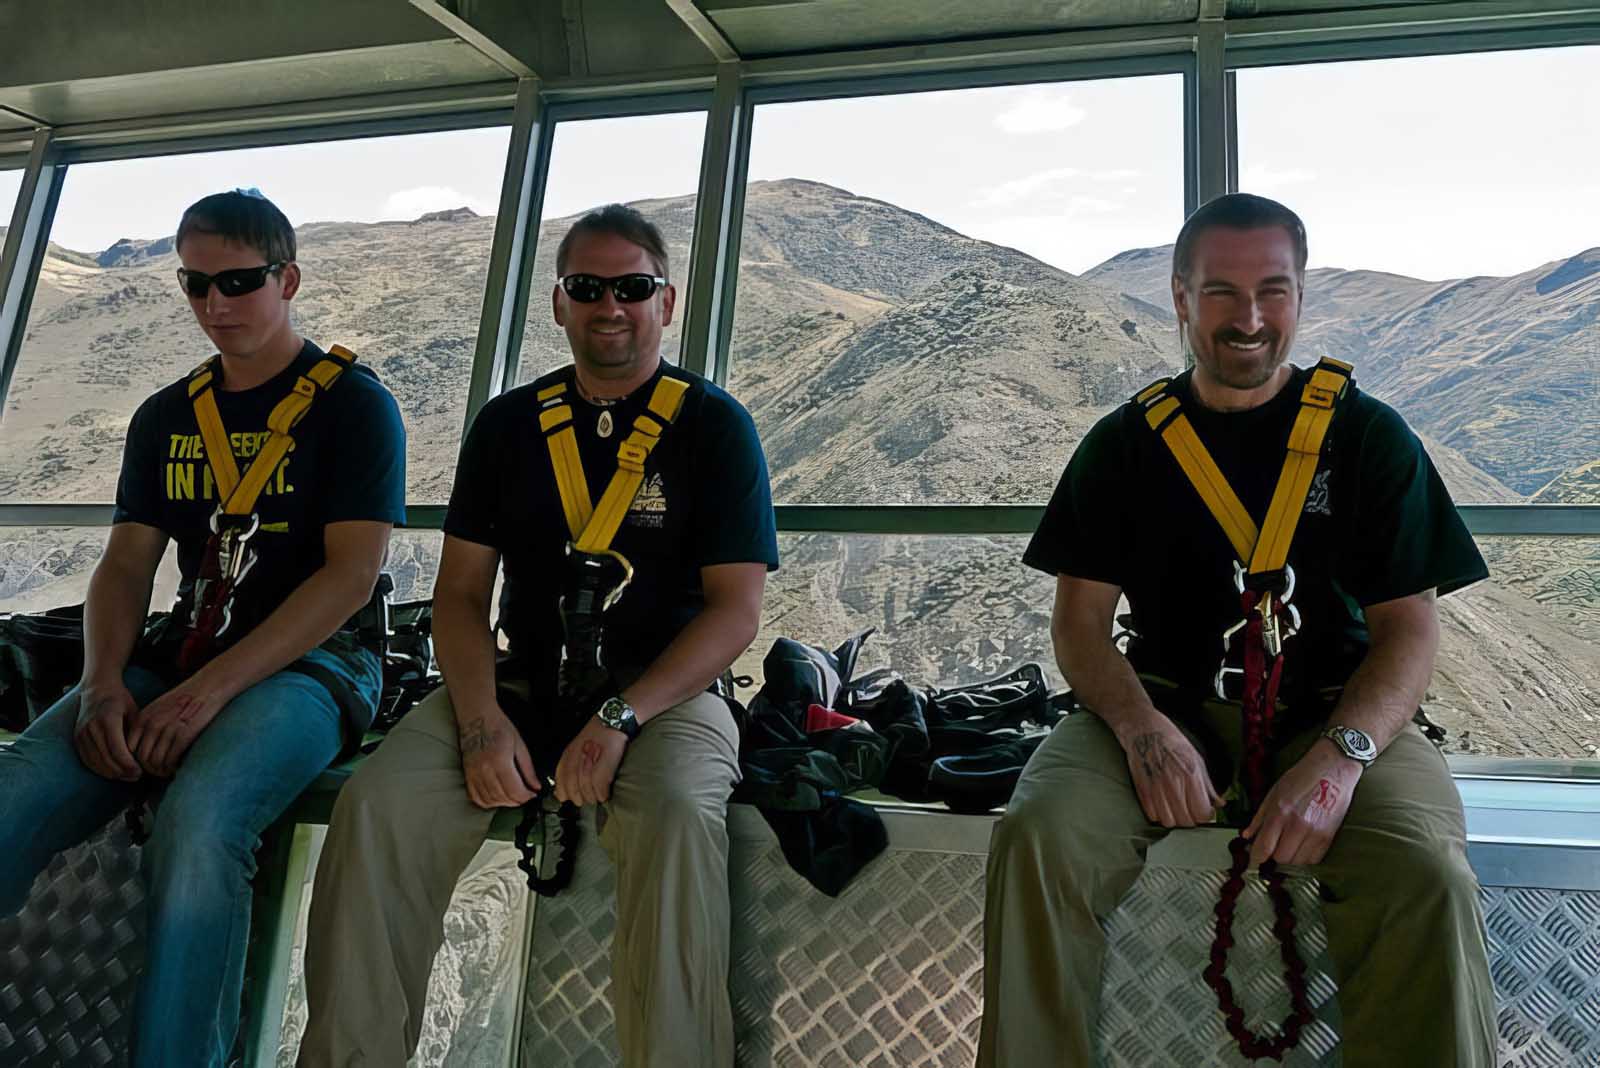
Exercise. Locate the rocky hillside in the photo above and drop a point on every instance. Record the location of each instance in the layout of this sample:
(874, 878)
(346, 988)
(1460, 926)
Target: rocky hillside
(887, 358)
(1493, 368)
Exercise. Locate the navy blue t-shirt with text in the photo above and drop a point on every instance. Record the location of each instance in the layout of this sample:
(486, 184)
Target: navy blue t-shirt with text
(348, 463)
(705, 500)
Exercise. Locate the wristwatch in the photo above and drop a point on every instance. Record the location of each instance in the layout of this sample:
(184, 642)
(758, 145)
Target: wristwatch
(1357, 745)
(618, 715)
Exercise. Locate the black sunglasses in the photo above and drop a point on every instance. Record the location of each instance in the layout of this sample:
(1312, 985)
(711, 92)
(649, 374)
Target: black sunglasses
(629, 288)
(234, 283)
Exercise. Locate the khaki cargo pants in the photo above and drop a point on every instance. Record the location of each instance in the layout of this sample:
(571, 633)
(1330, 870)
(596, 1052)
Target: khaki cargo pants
(1405, 931)
(403, 831)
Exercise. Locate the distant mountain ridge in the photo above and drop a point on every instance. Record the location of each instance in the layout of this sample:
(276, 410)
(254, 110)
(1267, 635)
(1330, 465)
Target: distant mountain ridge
(887, 358)
(1481, 365)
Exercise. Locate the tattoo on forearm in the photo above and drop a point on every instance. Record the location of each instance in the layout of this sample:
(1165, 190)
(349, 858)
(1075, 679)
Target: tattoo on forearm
(474, 738)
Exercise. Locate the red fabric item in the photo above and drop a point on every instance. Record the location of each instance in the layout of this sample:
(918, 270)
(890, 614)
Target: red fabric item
(1261, 679)
(819, 718)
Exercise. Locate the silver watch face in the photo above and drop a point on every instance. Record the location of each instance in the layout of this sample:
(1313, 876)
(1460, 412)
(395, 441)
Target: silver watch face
(618, 715)
(1356, 744)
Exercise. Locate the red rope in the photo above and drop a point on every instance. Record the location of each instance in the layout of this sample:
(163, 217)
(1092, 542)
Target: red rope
(199, 645)
(1261, 681)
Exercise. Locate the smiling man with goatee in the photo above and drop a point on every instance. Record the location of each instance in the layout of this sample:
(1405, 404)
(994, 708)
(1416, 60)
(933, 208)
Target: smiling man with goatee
(1281, 538)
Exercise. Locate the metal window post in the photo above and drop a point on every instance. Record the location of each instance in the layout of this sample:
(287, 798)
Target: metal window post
(516, 235)
(714, 267)
(26, 240)
(1211, 103)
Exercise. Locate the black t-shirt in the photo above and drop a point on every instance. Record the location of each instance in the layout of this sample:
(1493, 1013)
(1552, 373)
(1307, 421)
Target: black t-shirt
(348, 463)
(705, 500)
(1378, 524)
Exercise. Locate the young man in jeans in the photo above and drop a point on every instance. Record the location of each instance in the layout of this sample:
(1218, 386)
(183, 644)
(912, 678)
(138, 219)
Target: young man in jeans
(252, 687)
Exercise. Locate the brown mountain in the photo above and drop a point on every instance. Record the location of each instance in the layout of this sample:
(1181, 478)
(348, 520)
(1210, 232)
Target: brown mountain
(1493, 368)
(887, 358)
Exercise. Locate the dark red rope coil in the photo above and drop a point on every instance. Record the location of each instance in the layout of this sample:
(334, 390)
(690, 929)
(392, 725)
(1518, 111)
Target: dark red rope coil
(1261, 681)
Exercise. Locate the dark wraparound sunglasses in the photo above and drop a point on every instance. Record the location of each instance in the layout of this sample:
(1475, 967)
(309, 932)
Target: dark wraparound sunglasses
(234, 283)
(629, 288)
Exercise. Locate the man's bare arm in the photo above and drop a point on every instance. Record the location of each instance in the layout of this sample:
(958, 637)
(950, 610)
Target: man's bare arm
(353, 554)
(498, 768)
(1387, 687)
(1305, 808)
(1168, 773)
(699, 653)
(113, 618)
(710, 643)
(118, 600)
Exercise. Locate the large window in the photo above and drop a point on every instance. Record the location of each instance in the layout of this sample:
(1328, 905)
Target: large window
(651, 162)
(920, 313)
(948, 610)
(10, 185)
(394, 237)
(1453, 209)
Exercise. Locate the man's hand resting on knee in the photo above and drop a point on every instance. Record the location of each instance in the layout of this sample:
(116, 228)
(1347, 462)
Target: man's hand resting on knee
(1304, 809)
(496, 762)
(1168, 773)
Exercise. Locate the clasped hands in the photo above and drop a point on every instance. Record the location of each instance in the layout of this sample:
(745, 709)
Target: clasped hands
(1294, 824)
(500, 772)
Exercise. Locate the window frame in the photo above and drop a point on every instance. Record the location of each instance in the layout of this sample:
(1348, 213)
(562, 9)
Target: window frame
(1205, 52)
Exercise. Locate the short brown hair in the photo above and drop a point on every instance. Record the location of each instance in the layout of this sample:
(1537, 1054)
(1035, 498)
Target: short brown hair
(626, 223)
(1237, 211)
(244, 217)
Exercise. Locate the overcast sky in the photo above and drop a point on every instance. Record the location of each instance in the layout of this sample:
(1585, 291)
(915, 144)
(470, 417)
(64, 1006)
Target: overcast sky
(1436, 167)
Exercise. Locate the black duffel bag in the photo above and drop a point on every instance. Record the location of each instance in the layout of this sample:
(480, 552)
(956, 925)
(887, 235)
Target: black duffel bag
(41, 658)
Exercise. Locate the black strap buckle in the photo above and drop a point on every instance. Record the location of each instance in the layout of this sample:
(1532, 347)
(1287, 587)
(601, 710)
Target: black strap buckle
(567, 835)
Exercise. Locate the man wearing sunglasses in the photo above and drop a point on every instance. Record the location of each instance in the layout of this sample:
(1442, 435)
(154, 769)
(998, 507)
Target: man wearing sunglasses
(635, 729)
(229, 707)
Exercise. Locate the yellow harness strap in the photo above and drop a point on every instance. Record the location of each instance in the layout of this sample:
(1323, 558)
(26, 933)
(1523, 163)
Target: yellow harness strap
(594, 526)
(1265, 550)
(239, 494)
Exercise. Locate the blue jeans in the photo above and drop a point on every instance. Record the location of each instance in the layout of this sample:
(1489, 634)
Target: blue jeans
(244, 769)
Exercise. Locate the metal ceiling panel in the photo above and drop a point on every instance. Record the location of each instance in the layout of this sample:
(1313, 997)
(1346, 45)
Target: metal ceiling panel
(785, 27)
(628, 35)
(76, 41)
(256, 83)
(1247, 8)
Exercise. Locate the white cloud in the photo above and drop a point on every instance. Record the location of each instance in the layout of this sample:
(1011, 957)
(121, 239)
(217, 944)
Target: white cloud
(410, 203)
(1258, 179)
(1040, 111)
(1116, 174)
(1092, 206)
(1021, 188)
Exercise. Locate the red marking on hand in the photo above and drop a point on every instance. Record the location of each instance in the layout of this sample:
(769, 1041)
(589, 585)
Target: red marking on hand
(1327, 794)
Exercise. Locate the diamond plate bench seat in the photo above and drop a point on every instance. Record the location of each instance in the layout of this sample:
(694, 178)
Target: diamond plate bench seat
(887, 974)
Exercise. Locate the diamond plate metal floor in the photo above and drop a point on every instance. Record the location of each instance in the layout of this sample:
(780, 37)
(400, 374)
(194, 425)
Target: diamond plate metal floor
(888, 974)
(70, 958)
